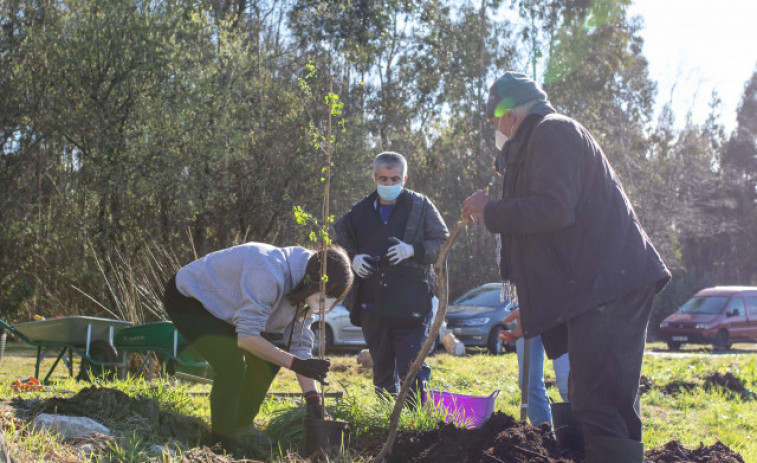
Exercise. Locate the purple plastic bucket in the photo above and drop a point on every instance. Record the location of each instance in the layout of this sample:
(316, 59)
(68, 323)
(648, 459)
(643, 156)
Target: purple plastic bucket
(468, 411)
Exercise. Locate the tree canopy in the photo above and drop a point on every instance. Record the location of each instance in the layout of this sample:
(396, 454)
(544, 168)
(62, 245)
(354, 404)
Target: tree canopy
(137, 135)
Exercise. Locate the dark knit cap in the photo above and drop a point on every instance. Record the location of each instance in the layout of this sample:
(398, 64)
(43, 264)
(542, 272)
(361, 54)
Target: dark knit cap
(511, 90)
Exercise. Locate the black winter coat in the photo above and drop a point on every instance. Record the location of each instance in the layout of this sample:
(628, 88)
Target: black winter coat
(573, 237)
(425, 230)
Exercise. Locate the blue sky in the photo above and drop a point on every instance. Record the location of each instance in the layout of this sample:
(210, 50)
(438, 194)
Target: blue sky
(695, 46)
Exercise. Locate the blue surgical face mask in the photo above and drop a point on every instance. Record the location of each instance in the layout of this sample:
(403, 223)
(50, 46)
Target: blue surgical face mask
(389, 192)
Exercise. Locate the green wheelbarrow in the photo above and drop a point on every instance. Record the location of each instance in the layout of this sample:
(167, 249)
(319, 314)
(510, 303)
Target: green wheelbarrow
(91, 338)
(162, 339)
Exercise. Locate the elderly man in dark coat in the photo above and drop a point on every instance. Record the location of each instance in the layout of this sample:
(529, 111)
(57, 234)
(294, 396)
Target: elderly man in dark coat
(585, 271)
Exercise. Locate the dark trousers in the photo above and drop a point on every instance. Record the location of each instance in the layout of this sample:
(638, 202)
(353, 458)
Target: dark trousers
(606, 347)
(393, 351)
(240, 380)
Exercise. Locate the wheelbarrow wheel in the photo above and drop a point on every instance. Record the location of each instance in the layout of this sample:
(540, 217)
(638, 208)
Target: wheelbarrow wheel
(99, 351)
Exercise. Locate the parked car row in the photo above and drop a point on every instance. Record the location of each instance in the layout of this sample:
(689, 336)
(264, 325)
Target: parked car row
(475, 318)
(719, 316)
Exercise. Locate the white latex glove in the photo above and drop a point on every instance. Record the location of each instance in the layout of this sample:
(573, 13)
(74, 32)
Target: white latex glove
(361, 266)
(399, 251)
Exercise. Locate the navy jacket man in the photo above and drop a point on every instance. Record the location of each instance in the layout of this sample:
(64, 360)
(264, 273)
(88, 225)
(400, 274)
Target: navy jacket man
(393, 236)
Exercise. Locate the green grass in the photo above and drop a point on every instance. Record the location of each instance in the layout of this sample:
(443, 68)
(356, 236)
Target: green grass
(699, 415)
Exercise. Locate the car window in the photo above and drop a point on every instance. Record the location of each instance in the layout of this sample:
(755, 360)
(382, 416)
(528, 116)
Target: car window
(737, 304)
(487, 297)
(704, 304)
(751, 304)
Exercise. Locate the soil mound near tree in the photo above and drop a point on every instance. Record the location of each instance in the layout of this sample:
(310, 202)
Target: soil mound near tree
(726, 381)
(501, 438)
(117, 410)
(506, 440)
(674, 452)
(731, 383)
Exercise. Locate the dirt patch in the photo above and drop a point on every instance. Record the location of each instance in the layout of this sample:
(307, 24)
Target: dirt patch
(677, 387)
(118, 411)
(671, 388)
(501, 438)
(340, 367)
(674, 452)
(506, 440)
(343, 368)
(731, 383)
(726, 381)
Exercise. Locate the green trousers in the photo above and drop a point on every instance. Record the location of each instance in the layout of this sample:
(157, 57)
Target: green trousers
(240, 379)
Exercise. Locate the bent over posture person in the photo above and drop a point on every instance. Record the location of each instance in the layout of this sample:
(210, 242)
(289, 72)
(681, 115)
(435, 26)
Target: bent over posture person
(586, 273)
(393, 235)
(225, 303)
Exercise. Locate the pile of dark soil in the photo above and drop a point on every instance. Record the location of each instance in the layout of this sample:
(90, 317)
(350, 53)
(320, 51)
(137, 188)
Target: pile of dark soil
(730, 383)
(677, 387)
(502, 439)
(117, 410)
(726, 381)
(674, 452)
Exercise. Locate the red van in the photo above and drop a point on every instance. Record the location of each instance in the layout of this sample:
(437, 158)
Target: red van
(719, 316)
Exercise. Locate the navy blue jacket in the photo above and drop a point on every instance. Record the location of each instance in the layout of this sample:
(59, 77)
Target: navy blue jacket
(424, 230)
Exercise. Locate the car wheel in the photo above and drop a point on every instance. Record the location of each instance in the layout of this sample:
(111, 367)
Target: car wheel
(329, 339)
(673, 345)
(493, 344)
(722, 342)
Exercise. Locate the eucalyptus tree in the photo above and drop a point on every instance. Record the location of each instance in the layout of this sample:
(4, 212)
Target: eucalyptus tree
(740, 155)
(597, 74)
(456, 56)
(739, 164)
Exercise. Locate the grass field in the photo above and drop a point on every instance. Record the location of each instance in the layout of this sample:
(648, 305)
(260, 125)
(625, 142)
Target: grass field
(678, 404)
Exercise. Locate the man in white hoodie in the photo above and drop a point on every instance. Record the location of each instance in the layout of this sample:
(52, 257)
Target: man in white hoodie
(225, 303)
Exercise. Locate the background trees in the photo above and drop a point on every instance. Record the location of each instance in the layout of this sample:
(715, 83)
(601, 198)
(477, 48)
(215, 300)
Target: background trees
(130, 127)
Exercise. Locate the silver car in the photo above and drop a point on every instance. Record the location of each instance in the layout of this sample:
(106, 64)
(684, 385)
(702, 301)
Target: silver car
(341, 333)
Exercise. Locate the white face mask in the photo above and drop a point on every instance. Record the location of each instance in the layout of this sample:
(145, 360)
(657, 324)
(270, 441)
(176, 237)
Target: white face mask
(313, 301)
(500, 139)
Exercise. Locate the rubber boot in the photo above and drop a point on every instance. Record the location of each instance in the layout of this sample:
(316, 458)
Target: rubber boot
(601, 449)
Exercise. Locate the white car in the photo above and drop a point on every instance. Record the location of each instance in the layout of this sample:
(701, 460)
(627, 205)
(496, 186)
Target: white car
(341, 333)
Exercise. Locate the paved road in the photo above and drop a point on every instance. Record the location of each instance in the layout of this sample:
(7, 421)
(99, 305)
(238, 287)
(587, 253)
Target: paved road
(745, 349)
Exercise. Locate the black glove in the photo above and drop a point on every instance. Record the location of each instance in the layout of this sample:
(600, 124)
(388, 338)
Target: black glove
(311, 368)
(315, 408)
